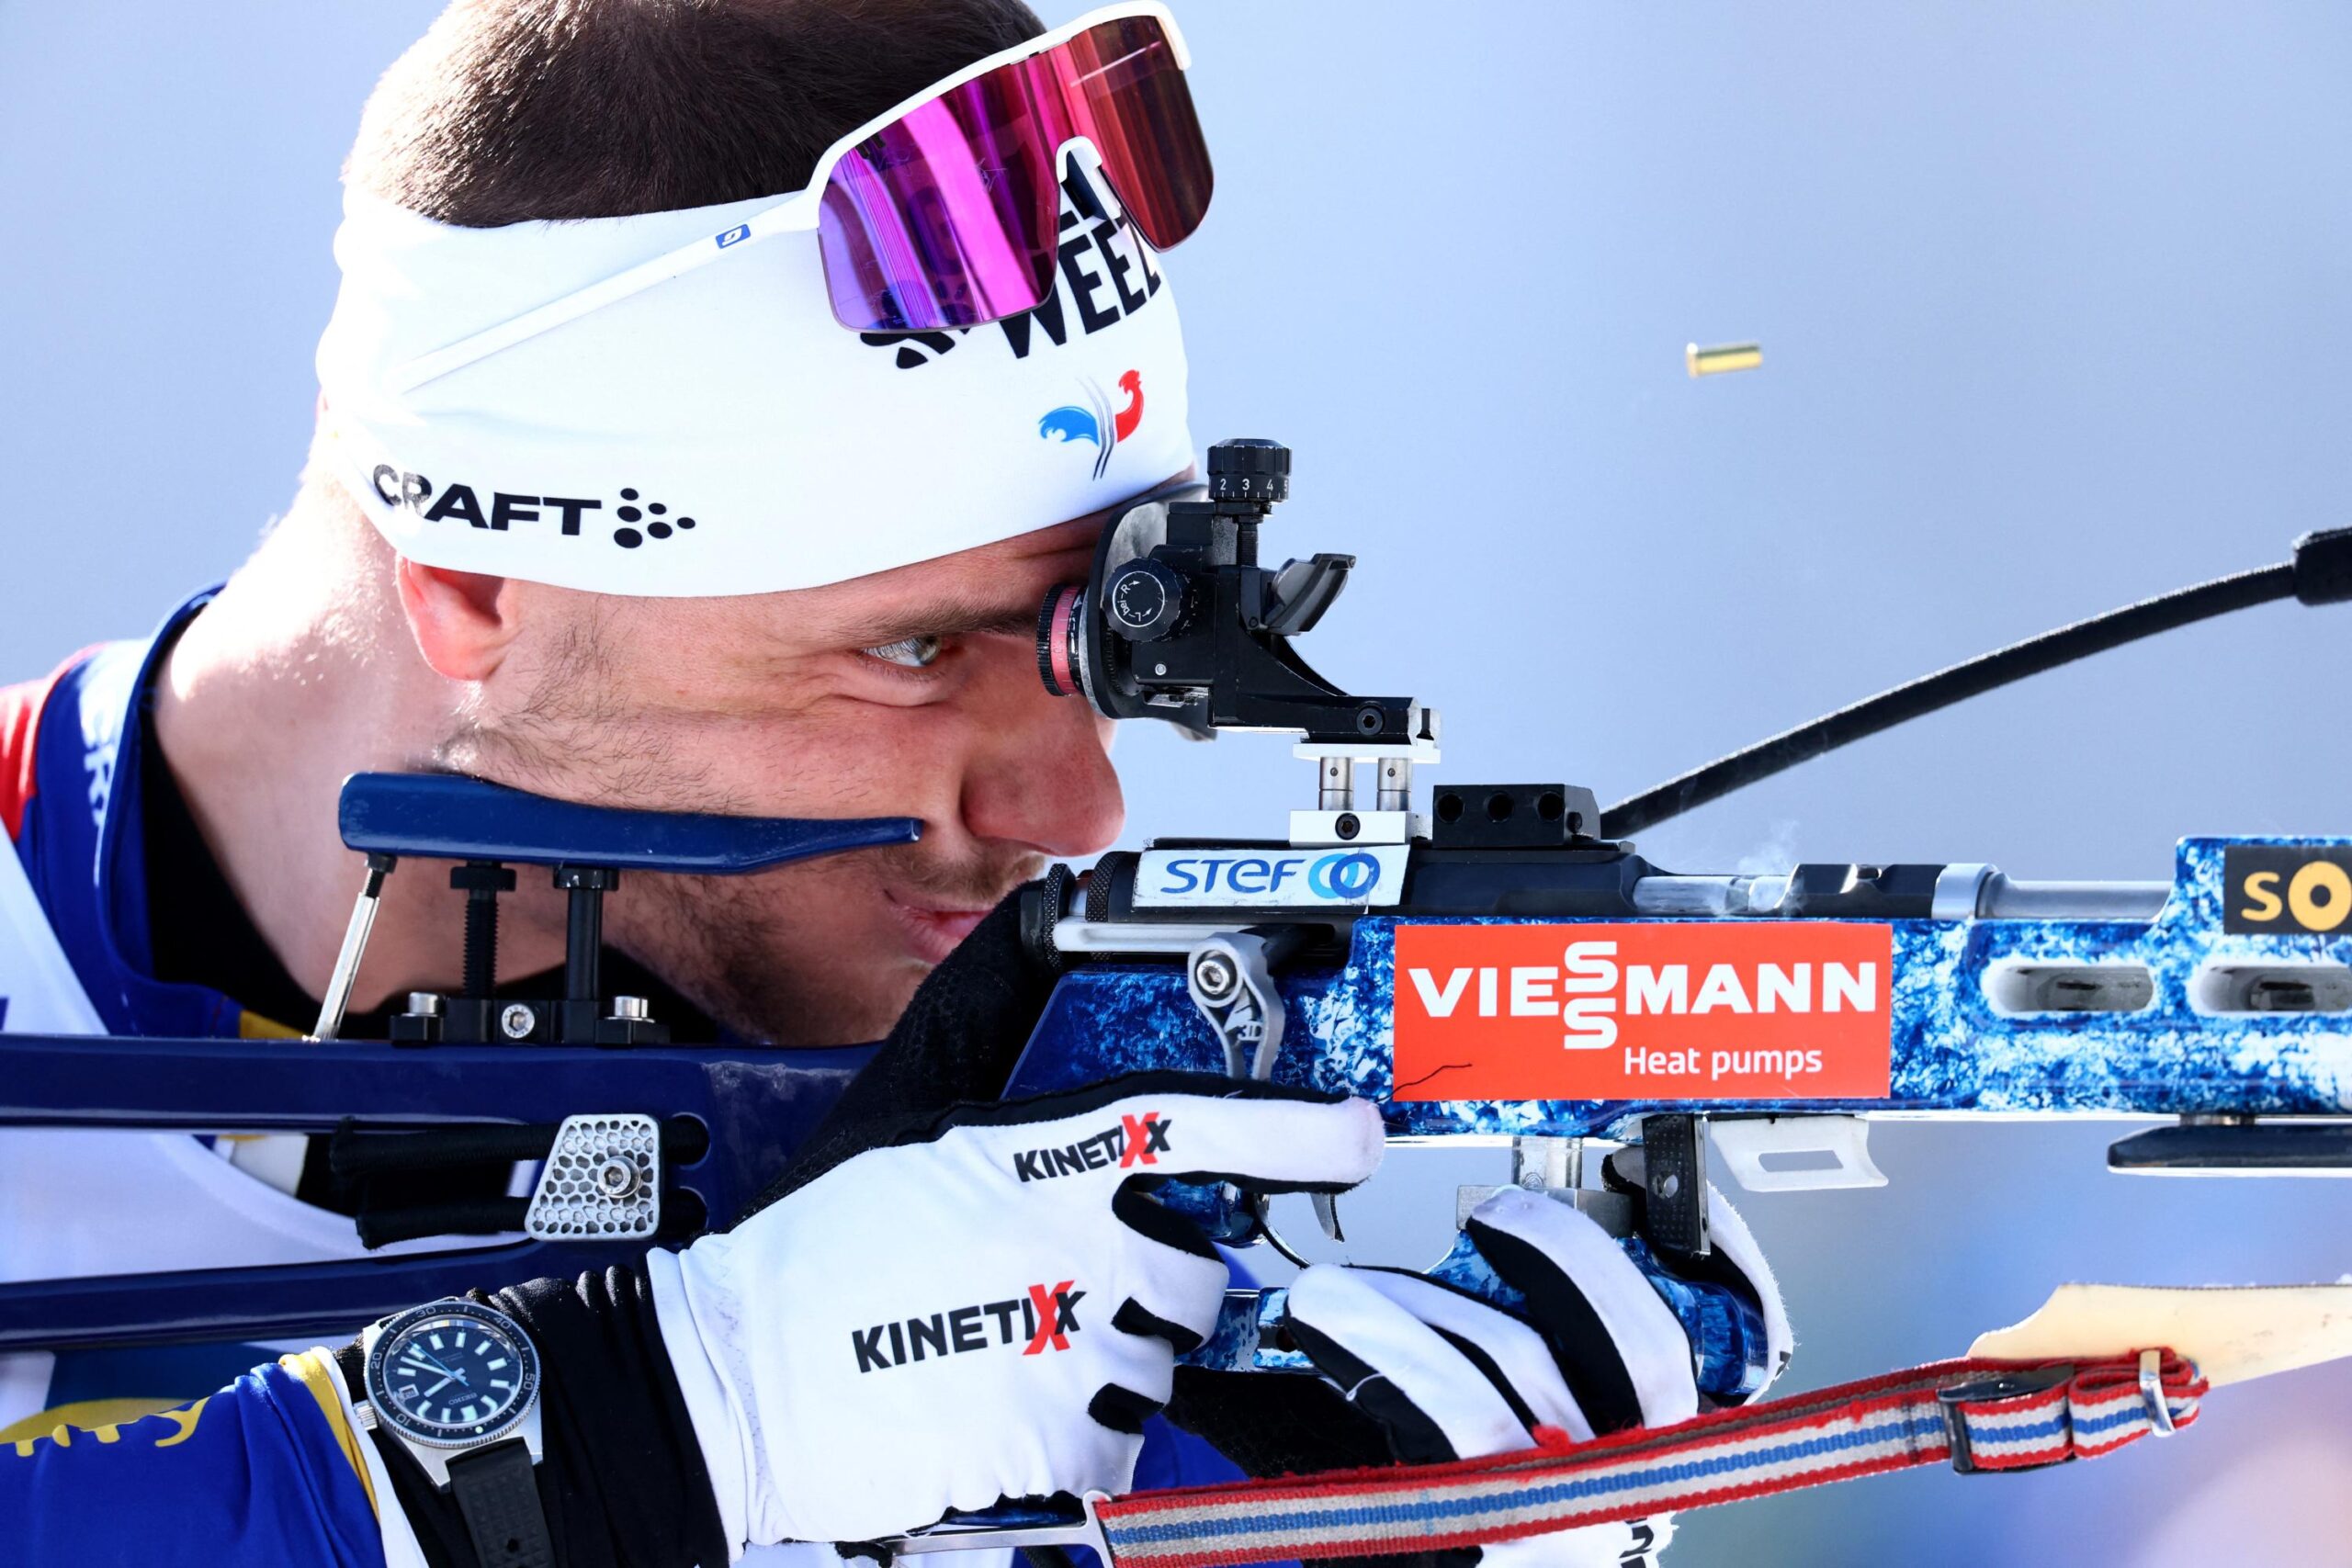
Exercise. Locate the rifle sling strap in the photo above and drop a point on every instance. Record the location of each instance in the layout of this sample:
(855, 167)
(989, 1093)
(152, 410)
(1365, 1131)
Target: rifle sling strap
(1977, 1416)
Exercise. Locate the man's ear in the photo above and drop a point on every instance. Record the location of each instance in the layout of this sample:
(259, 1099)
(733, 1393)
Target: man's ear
(462, 621)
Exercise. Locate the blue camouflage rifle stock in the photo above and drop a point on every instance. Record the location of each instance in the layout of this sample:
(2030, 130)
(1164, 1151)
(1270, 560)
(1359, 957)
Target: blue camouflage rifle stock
(2000, 998)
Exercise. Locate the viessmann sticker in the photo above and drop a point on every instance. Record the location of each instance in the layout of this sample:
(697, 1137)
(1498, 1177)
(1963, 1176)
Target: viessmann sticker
(1786, 1009)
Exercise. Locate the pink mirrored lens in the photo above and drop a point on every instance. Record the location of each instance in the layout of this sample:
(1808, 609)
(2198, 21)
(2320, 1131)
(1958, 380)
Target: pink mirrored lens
(1125, 93)
(946, 218)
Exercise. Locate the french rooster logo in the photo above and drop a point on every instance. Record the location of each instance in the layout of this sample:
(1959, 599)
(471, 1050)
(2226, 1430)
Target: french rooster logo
(1132, 415)
(1097, 422)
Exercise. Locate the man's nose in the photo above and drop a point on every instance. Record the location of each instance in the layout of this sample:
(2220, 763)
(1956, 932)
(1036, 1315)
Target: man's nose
(1045, 780)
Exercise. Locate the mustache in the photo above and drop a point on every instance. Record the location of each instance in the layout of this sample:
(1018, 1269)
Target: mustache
(970, 882)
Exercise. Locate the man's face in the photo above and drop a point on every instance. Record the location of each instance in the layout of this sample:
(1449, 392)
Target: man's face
(912, 693)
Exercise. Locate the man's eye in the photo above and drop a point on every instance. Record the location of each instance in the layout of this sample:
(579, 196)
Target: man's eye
(914, 652)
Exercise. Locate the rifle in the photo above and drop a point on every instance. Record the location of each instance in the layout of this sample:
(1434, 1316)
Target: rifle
(1506, 967)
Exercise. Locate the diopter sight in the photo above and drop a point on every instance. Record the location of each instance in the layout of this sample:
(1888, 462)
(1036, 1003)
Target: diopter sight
(1179, 621)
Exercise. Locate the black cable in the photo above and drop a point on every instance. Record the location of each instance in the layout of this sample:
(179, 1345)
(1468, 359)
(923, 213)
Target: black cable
(357, 1151)
(457, 1216)
(2321, 573)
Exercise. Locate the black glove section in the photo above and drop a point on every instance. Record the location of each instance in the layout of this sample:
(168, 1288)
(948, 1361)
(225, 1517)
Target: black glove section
(954, 1044)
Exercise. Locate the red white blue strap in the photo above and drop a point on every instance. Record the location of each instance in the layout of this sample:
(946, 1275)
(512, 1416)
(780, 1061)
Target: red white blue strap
(1978, 1416)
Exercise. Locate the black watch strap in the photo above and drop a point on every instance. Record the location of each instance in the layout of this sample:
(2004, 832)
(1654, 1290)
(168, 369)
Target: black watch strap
(498, 1496)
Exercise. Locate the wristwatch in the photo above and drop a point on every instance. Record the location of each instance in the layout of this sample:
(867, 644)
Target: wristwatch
(456, 1384)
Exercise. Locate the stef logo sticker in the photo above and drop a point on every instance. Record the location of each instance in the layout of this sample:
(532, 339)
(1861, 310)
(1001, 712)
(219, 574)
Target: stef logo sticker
(1243, 876)
(2281, 890)
(1785, 1010)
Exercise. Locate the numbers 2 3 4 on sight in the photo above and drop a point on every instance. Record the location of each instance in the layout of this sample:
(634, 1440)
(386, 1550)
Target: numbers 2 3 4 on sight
(1775, 1010)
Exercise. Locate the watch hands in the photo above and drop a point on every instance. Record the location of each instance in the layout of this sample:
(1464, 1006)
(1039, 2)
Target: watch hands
(446, 1374)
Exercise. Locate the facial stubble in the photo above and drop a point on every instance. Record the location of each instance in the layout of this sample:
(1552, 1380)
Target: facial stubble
(808, 955)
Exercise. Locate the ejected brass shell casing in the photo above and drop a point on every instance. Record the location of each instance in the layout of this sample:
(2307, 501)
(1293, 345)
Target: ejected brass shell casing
(1725, 357)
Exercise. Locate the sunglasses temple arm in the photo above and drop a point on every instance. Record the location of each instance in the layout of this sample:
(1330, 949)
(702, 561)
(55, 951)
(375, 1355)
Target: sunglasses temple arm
(783, 217)
(797, 211)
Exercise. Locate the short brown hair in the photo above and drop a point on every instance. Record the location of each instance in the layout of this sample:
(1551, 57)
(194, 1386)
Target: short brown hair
(508, 110)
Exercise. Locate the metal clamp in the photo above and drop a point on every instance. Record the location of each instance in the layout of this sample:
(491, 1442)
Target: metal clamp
(2019, 1385)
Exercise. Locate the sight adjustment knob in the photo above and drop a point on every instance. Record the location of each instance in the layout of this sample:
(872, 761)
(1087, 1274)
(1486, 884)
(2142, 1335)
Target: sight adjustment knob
(1145, 600)
(1250, 468)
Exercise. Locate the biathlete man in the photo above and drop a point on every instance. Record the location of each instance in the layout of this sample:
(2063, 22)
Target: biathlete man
(641, 480)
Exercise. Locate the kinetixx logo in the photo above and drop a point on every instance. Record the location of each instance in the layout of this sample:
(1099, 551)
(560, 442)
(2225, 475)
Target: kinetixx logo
(1041, 1320)
(1137, 1140)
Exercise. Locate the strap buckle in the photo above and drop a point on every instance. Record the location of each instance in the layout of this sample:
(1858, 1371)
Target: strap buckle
(2152, 1393)
(1009, 1527)
(2022, 1383)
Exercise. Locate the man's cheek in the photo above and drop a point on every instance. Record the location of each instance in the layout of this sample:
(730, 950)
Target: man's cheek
(844, 763)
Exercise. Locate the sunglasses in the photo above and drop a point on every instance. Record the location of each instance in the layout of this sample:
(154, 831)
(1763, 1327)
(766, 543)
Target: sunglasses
(943, 211)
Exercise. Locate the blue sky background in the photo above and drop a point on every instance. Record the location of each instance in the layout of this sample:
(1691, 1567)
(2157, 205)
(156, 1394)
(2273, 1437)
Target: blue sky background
(2054, 314)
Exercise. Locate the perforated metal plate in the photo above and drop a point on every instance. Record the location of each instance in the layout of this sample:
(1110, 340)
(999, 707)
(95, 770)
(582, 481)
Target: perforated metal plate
(602, 1180)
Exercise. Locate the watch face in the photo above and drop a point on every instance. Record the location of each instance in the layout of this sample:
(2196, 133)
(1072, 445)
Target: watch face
(451, 1374)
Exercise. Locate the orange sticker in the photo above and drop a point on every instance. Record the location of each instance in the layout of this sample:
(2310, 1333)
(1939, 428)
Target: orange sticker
(1779, 1009)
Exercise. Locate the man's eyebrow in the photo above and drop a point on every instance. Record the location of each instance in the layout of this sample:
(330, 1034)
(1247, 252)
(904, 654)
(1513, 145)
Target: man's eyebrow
(947, 617)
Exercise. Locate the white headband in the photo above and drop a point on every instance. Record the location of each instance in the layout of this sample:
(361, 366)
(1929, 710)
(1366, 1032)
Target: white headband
(720, 433)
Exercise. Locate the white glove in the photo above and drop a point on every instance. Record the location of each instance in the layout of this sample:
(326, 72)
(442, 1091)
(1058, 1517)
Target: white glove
(1450, 1377)
(989, 1312)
